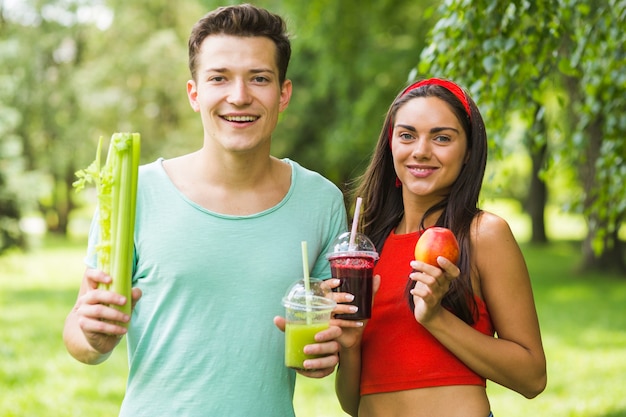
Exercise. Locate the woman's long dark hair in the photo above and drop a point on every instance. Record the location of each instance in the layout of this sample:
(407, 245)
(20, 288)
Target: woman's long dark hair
(383, 207)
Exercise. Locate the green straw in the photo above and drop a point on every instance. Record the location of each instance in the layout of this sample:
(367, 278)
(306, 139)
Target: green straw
(307, 281)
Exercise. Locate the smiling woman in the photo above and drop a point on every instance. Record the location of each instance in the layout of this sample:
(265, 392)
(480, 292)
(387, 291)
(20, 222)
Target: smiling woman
(426, 173)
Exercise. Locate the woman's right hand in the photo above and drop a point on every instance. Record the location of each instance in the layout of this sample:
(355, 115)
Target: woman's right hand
(352, 330)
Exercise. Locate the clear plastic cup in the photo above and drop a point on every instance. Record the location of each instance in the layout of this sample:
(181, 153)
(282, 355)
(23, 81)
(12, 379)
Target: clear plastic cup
(353, 265)
(307, 313)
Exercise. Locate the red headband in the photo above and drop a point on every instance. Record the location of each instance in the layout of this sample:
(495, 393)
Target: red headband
(448, 85)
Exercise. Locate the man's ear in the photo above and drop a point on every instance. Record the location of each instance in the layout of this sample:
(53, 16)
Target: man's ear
(192, 95)
(285, 95)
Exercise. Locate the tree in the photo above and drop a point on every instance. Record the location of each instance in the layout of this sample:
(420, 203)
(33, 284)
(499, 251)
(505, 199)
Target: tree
(11, 163)
(82, 70)
(350, 58)
(516, 57)
(10, 233)
(74, 71)
(45, 50)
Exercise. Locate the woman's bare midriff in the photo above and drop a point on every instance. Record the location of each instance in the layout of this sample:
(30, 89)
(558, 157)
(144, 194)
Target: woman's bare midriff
(449, 401)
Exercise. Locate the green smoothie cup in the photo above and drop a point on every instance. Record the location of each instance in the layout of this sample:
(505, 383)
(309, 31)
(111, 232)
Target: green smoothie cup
(307, 313)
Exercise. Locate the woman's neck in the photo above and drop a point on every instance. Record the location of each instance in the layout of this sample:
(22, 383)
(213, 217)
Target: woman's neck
(412, 221)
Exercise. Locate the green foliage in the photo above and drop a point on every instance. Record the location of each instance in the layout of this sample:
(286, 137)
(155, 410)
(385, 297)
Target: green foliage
(73, 71)
(350, 58)
(517, 57)
(139, 85)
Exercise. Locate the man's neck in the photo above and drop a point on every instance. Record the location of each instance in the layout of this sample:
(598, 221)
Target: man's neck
(230, 185)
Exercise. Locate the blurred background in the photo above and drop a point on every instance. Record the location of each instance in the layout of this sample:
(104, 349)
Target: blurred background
(547, 75)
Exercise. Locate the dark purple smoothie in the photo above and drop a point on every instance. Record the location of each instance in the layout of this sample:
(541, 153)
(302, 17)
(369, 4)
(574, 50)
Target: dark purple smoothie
(356, 276)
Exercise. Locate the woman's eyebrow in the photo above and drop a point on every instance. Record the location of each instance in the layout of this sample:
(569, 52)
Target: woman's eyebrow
(407, 127)
(433, 130)
(442, 128)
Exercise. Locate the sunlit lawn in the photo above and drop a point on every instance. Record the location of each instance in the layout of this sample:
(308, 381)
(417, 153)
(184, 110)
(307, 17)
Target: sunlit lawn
(583, 321)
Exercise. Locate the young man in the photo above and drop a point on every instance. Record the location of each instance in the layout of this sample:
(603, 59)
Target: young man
(217, 243)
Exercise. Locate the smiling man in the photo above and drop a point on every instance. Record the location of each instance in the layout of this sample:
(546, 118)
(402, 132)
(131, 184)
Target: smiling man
(217, 243)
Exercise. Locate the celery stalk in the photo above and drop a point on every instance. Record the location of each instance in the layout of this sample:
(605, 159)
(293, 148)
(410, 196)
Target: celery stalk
(116, 185)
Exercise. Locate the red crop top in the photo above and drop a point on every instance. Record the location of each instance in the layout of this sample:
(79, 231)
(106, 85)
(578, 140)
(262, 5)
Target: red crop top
(397, 352)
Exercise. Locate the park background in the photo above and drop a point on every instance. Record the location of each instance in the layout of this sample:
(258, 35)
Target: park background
(548, 77)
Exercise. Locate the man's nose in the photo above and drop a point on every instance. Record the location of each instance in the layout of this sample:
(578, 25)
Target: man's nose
(239, 93)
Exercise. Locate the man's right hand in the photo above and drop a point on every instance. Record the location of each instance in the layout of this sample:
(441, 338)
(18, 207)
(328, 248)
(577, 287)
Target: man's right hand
(101, 325)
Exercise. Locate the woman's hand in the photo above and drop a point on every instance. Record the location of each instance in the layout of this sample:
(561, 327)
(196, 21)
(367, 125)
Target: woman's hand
(352, 330)
(431, 285)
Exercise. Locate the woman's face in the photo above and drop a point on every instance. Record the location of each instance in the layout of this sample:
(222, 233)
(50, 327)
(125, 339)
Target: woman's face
(429, 147)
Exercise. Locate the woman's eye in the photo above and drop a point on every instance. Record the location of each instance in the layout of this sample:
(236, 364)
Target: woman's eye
(442, 139)
(406, 136)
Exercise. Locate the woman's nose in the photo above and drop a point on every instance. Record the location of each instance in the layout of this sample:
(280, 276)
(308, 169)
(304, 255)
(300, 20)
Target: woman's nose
(421, 149)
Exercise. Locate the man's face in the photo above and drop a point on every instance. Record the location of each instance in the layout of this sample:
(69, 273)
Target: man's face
(237, 92)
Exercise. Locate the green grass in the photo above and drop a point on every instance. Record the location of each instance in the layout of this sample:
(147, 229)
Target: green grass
(37, 375)
(583, 323)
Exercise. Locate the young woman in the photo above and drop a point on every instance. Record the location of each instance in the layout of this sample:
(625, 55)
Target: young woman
(430, 345)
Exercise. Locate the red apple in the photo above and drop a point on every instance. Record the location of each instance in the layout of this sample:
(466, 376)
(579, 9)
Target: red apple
(434, 242)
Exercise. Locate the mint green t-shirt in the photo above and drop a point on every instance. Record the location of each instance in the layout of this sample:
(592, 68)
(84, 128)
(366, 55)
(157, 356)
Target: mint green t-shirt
(201, 340)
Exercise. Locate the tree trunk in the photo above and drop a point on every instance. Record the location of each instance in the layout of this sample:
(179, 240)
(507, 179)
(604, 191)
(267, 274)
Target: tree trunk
(10, 232)
(611, 256)
(57, 214)
(610, 259)
(537, 196)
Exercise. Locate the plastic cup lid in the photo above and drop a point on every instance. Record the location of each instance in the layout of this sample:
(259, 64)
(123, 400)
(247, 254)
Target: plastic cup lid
(362, 246)
(317, 298)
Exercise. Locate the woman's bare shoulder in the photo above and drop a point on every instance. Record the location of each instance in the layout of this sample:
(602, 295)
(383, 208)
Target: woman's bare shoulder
(488, 226)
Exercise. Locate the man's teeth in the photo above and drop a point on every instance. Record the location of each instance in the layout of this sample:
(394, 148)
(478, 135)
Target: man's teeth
(240, 118)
